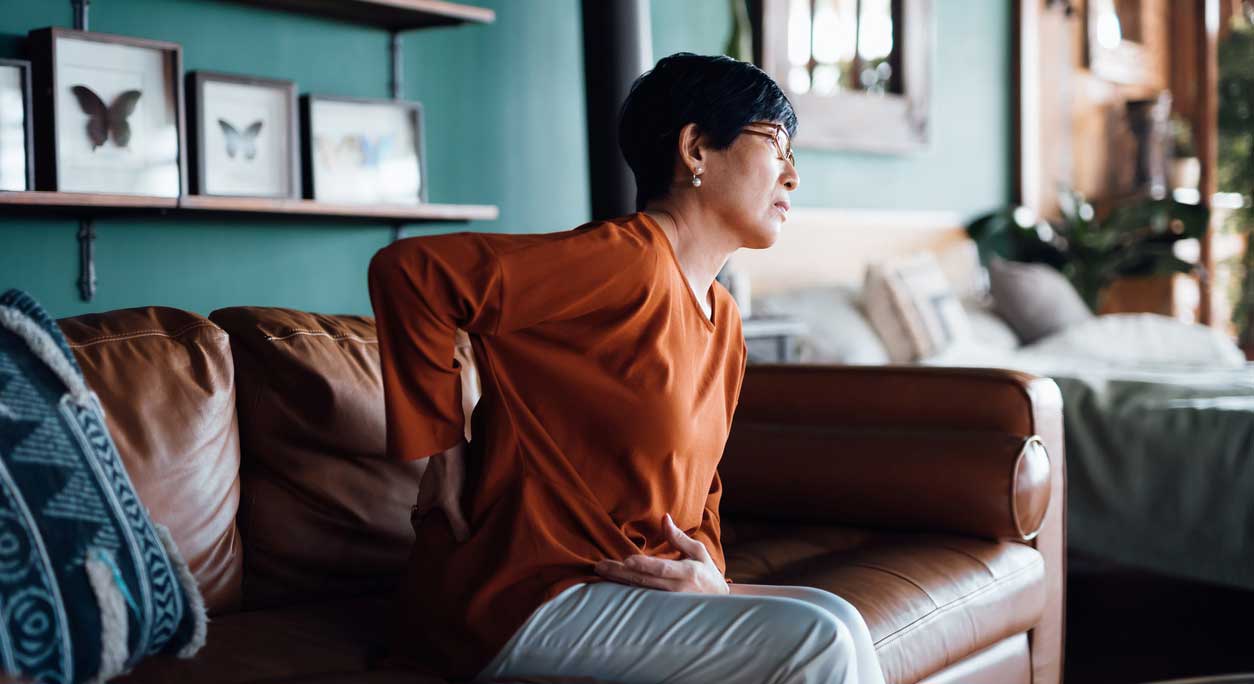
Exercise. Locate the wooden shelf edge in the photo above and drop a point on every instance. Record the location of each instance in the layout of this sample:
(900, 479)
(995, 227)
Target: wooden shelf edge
(452, 10)
(303, 207)
(84, 200)
(257, 206)
(395, 15)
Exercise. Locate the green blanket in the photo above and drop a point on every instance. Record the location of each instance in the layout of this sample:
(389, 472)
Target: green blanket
(1161, 470)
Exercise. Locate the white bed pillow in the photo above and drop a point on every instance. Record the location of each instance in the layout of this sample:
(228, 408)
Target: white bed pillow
(989, 330)
(1131, 339)
(837, 329)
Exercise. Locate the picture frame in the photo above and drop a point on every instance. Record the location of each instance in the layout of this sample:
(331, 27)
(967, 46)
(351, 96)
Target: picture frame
(113, 119)
(17, 146)
(363, 151)
(245, 136)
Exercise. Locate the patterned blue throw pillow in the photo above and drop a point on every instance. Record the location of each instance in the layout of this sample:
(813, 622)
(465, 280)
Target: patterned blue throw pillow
(89, 585)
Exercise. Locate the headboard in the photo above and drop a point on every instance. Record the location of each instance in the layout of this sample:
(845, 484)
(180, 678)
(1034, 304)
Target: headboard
(834, 246)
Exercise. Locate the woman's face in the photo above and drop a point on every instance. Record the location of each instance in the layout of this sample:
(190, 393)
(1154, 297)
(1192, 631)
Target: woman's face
(748, 184)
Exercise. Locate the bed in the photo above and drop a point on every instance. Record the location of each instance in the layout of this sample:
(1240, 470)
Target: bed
(1159, 414)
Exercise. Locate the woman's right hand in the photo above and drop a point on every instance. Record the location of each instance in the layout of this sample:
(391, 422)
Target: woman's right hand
(441, 487)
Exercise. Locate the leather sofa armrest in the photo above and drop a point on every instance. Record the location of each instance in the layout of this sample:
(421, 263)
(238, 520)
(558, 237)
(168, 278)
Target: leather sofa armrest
(903, 403)
(980, 483)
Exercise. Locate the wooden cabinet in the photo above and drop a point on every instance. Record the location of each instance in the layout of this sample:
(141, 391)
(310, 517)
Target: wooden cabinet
(1176, 295)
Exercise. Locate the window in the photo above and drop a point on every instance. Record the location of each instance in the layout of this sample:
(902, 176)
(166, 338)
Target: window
(855, 70)
(843, 45)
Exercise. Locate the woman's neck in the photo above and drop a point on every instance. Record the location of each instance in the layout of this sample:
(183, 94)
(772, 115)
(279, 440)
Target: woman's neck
(698, 244)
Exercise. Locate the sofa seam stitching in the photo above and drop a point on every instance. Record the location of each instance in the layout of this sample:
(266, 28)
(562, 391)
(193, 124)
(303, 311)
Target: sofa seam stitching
(142, 333)
(953, 604)
(318, 333)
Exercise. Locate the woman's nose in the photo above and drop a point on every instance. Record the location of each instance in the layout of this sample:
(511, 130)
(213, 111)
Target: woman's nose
(791, 179)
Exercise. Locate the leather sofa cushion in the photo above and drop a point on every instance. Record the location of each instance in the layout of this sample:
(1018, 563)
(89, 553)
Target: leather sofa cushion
(324, 513)
(323, 642)
(928, 600)
(166, 382)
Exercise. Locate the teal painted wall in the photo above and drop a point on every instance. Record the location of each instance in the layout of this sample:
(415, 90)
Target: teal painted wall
(505, 125)
(965, 168)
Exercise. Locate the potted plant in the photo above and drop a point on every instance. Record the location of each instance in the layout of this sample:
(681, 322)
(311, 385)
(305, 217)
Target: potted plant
(1236, 159)
(1135, 239)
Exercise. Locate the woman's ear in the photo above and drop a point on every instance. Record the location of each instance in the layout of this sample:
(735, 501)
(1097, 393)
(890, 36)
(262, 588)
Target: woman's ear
(691, 142)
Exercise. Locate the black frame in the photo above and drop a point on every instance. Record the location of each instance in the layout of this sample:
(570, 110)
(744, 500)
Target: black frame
(28, 120)
(42, 45)
(306, 139)
(195, 128)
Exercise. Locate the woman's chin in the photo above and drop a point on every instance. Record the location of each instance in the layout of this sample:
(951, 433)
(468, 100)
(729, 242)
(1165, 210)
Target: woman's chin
(767, 234)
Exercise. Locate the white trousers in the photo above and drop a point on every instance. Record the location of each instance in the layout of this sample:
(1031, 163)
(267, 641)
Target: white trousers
(611, 632)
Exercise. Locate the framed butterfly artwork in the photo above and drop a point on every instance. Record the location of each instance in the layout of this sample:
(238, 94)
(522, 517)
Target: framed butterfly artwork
(113, 113)
(363, 151)
(17, 154)
(244, 136)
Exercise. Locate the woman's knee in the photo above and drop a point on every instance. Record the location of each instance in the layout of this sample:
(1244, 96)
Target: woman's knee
(830, 602)
(820, 641)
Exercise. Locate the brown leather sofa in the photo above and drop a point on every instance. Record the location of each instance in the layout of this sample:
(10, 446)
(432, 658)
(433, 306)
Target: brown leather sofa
(257, 436)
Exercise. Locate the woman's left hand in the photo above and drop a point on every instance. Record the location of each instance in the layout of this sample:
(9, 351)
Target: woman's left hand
(697, 573)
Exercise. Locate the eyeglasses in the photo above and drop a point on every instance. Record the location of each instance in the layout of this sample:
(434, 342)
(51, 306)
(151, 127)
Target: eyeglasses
(778, 132)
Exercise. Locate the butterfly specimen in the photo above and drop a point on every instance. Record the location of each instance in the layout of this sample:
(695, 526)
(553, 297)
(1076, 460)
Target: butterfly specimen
(103, 121)
(372, 151)
(237, 142)
(353, 150)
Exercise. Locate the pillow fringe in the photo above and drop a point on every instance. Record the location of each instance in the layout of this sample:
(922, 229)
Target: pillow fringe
(113, 619)
(45, 349)
(195, 601)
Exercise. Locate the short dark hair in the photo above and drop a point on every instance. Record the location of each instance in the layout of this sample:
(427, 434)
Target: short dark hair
(719, 94)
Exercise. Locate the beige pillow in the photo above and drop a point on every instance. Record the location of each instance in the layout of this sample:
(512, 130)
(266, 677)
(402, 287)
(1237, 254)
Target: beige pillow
(912, 307)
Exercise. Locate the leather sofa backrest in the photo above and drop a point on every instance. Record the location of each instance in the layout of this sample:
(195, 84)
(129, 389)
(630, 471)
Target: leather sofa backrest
(324, 512)
(166, 382)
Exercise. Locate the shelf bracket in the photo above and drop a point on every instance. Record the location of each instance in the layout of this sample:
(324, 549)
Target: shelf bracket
(398, 231)
(86, 259)
(80, 14)
(395, 55)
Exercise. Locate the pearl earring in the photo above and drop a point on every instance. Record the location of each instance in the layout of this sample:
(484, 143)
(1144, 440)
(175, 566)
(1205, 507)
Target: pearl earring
(696, 179)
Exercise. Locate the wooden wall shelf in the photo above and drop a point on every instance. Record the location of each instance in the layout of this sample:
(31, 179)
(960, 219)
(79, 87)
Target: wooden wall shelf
(394, 15)
(192, 205)
(392, 213)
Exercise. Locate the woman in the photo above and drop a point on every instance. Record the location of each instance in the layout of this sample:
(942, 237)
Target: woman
(578, 533)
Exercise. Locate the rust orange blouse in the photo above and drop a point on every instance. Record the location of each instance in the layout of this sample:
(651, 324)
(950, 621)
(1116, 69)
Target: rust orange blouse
(607, 399)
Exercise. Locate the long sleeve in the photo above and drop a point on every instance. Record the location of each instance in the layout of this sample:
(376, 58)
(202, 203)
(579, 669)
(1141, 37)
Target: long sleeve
(424, 289)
